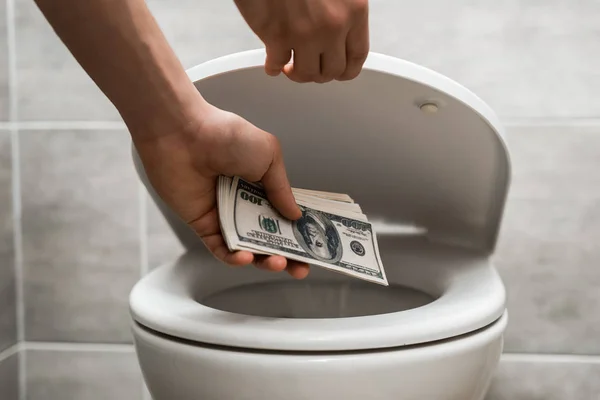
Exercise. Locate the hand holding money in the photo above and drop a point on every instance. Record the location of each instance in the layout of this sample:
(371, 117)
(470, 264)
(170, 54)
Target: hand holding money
(332, 233)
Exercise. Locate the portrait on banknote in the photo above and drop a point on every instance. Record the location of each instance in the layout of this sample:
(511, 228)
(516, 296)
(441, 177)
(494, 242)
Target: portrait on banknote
(317, 236)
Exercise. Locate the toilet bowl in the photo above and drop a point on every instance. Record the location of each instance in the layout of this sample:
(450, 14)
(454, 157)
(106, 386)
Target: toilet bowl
(412, 147)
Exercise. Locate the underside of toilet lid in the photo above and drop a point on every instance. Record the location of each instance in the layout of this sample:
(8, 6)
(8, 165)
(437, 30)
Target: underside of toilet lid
(377, 139)
(469, 292)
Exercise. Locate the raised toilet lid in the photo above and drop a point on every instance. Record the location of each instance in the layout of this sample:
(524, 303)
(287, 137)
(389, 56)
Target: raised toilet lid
(411, 146)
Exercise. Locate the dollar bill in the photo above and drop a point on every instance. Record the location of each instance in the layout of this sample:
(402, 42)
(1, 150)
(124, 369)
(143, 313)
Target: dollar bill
(332, 233)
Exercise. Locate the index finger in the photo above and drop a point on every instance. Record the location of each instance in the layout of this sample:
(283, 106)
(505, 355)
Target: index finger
(277, 186)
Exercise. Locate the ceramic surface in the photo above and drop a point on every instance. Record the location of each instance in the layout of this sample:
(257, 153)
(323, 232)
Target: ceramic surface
(204, 331)
(459, 369)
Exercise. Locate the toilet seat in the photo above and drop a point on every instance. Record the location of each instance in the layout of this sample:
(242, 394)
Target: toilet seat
(469, 292)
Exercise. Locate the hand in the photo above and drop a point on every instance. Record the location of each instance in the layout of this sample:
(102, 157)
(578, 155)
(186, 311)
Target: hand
(330, 38)
(183, 167)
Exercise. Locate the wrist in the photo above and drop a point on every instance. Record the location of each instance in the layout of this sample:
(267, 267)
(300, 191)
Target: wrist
(179, 111)
(121, 47)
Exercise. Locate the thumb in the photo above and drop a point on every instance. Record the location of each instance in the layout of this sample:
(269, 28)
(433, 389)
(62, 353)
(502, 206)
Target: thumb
(277, 57)
(277, 186)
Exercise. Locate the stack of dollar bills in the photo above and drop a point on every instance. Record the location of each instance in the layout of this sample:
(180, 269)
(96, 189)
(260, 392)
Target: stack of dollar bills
(332, 233)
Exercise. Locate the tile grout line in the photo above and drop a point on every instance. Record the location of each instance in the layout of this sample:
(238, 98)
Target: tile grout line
(130, 348)
(550, 122)
(12, 62)
(82, 347)
(64, 125)
(71, 125)
(119, 125)
(16, 189)
(551, 358)
(143, 229)
(9, 352)
(144, 267)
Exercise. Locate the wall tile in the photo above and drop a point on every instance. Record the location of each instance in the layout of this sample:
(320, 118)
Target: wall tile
(163, 245)
(80, 235)
(81, 375)
(510, 53)
(52, 85)
(4, 91)
(8, 324)
(548, 249)
(525, 58)
(546, 159)
(197, 30)
(200, 30)
(521, 380)
(9, 378)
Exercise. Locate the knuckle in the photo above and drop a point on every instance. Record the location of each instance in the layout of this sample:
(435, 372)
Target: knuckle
(303, 29)
(335, 21)
(276, 34)
(339, 70)
(304, 77)
(332, 74)
(262, 25)
(358, 56)
(350, 74)
(275, 144)
(359, 7)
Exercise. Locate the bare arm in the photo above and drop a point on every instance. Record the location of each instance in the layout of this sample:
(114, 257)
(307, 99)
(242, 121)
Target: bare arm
(121, 47)
(184, 142)
(176, 132)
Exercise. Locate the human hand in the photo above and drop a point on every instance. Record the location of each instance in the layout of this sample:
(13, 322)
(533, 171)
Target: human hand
(183, 167)
(329, 38)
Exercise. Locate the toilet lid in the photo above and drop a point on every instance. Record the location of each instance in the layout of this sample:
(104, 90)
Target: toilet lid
(469, 296)
(410, 145)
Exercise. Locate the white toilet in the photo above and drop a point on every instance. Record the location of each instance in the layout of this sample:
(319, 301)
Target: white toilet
(411, 146)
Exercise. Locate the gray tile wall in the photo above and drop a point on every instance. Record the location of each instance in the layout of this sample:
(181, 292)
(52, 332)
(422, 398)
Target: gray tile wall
(82, 375)
(52, 86)
(81, 247)
(545, 378)
(9, 377)
(8, 322)
(549, 253)
(3, 64)
(526, 58)
(537, 63)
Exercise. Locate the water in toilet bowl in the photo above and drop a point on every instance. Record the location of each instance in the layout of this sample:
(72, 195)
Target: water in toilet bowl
(315, 299)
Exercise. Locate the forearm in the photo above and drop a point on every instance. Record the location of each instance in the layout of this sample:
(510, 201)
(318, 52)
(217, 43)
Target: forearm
(121, 47)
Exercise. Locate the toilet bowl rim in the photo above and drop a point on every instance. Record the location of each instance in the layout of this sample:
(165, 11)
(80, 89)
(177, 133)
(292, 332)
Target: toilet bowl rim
(482, 335)
(473, 297)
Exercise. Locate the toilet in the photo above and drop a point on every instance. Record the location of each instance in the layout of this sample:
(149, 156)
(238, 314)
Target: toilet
(414, 148)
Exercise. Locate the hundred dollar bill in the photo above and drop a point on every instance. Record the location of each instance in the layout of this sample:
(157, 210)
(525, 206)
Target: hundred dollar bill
(332, 232)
